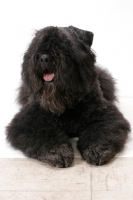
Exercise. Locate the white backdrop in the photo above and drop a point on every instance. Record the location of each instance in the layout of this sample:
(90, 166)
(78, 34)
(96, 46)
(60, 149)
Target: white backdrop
(111, 22)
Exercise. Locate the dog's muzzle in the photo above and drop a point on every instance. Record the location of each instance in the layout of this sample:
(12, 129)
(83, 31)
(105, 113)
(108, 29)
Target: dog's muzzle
(48, 67)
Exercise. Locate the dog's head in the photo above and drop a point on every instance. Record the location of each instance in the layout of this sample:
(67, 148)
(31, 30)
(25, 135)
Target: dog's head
(58, 66)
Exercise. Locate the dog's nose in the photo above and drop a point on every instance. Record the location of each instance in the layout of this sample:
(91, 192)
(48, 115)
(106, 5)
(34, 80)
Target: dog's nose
(44, 59)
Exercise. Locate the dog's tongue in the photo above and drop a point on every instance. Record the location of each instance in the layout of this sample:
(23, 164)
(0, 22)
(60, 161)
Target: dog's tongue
(48, 77)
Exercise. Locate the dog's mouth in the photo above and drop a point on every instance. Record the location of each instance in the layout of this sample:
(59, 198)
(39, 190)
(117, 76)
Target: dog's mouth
(48, 77)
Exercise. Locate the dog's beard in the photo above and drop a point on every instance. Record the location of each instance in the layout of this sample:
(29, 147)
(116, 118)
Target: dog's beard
(56, 99)
(52, 99)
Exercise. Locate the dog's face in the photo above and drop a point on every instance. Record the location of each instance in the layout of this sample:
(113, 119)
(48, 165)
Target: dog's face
(58, 66)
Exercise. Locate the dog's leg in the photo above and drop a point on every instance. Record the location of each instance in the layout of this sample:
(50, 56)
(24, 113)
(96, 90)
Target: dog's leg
(104, 136)
(35, 132)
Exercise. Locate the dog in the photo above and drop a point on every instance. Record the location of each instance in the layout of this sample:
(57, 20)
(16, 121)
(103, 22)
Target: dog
(65, 94)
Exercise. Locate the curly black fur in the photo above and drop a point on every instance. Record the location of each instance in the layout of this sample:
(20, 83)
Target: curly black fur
(78, 101)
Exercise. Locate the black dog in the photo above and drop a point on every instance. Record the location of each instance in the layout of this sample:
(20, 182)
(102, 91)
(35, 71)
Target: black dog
(64, 94)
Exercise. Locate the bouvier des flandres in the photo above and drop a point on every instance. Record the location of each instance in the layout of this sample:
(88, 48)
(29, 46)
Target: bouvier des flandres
(65, 94)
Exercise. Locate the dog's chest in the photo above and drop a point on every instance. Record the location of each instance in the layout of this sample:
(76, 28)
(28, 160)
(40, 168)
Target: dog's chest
(72, 122)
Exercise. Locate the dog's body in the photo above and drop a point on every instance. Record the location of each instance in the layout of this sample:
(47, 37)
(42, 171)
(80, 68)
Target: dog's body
(64, 94)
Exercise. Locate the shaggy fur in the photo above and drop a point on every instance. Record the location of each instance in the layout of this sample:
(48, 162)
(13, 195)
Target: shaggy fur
(77, 101)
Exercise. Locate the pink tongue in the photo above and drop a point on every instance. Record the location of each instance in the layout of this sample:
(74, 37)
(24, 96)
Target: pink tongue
(48, 77)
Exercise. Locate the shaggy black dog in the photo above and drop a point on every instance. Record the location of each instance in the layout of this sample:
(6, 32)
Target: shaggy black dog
(64, 94)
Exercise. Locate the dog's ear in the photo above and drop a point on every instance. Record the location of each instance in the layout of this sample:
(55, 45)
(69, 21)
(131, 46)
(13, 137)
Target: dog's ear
(83, 35)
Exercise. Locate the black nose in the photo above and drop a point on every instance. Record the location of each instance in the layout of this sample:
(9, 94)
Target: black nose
(44, 59)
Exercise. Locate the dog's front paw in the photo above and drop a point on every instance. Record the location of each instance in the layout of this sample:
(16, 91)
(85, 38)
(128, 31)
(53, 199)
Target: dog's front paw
(98, 155)
(57, 156)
